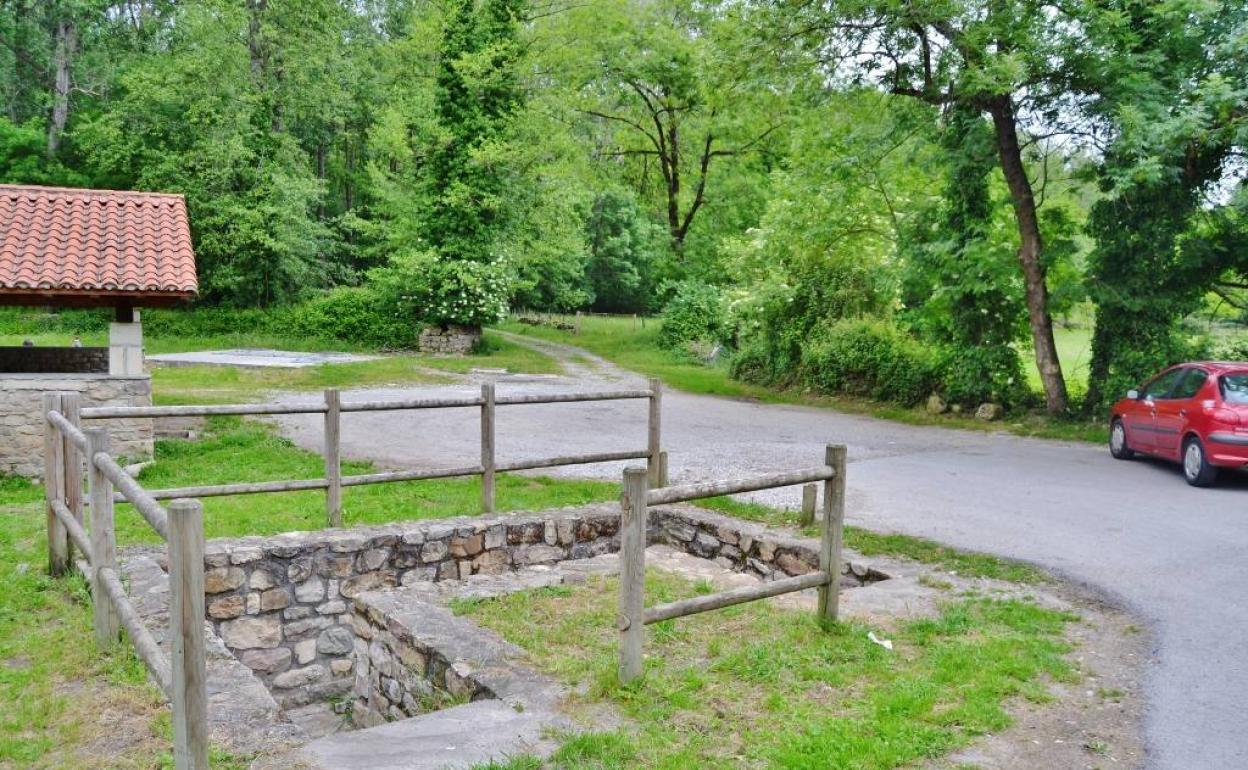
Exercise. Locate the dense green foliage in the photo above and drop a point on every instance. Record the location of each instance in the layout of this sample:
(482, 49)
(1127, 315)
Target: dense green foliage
(950, 177)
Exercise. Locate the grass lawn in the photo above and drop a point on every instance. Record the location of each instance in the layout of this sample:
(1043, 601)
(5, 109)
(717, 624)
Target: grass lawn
(638, 350)
(754, 686)
(220, 384)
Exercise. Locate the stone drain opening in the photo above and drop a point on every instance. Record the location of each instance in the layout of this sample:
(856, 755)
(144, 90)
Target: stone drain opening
(349, 630)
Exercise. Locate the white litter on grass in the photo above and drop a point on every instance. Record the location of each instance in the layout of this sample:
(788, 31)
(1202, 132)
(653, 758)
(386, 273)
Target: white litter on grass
(885, 643)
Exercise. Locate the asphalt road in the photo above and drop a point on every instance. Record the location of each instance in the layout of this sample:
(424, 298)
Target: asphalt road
(1175, 556)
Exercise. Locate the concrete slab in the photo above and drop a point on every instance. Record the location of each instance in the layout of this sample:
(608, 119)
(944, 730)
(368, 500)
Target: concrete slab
(458, 737)
(257, 357)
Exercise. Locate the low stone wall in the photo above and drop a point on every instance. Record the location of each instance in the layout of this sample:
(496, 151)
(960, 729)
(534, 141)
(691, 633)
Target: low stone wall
(36, 360)
(283, 603)
(453, 340)
(280, 602)
(745, 546)
(21, 415)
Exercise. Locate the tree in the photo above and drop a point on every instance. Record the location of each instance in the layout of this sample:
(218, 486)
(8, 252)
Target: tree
(662, 92)
(1000, 58)
(1168, 229)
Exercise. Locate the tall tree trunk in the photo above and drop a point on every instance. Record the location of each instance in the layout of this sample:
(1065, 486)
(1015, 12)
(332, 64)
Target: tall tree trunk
(1029, 251)
(62, 64)
(320, 175)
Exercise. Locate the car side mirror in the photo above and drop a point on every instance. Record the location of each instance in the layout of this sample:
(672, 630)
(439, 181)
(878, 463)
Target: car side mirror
(1133, 394)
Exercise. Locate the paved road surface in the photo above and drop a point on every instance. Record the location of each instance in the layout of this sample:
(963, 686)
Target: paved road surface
(1176, 556)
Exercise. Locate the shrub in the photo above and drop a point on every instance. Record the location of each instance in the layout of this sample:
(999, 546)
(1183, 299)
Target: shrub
(695, 315)
(420, 287)
(356, 314)
(871, 358)
(972, 375)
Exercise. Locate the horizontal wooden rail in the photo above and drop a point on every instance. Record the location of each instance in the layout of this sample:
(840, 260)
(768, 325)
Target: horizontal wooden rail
(680, 609)
(144, 643)
(68, 429)
(384, 477)
(411, 403)
(133, 493)
(75, 530)
(563, 398)
(204, 410)
(551, 462)
(665, 495)
(244, 488)
(122, 412)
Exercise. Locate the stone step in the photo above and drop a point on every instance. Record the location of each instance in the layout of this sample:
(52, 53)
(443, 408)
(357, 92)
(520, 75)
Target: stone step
(451, 739)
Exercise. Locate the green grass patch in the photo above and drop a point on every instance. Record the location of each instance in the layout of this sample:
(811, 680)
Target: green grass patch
(615, 340)
(234, 450)
(225, 384)
(757, 686)
(868, 543)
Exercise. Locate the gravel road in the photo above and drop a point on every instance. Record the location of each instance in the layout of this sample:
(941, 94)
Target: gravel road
(1135, 532)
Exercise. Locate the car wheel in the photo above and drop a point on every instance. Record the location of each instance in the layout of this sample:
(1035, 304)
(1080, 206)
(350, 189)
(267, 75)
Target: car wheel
(1118, 441)
(1196, 467)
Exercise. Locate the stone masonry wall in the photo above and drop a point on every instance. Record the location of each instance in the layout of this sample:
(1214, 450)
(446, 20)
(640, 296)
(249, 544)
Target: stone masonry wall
(280, 603)
(21, 415)
(453, 340)
(37, 360)
(745, 546)
(283, 604)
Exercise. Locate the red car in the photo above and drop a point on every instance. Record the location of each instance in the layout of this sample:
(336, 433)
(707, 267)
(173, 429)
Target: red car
(1195, 414)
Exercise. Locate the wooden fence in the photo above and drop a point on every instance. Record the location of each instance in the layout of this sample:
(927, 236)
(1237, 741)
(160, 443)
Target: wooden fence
(182, 674)
(638, 497)
(333, 408)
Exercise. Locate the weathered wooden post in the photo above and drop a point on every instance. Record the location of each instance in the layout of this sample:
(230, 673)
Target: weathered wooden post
(54, 486)
(186, 617)
(487, 447)
(833, 533)
(810, 493)
(631, 622)
(333, 457)
(103, 541)
(576, 331)
(71, 408)
(663, 468)
(654, 432)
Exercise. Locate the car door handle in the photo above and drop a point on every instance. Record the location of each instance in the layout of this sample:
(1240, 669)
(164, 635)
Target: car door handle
(1182, 412)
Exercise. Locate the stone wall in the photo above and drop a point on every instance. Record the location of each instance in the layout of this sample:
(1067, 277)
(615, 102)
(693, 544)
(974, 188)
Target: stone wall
(453, 340)
(280, 602)
(36, 360)
(745, 546)
(21, 415)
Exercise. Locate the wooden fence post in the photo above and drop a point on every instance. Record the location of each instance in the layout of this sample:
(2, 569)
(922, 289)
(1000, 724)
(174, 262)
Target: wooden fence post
(576, 330)
(487, 447)
(333, 457)
(663, 468)
(54, 486)
(654, 432)
(71, 407)
(631, 620)
(810, 493)
(186, 617)
(833, 533)
(103, 541)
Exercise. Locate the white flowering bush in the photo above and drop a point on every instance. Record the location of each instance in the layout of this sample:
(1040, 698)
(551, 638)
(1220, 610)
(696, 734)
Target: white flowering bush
(422, 287)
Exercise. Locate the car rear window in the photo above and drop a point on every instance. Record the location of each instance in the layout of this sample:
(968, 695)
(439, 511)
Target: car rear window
(1235, 388)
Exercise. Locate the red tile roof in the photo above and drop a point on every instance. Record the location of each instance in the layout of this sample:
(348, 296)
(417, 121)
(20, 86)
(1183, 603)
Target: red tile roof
(58, 242)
